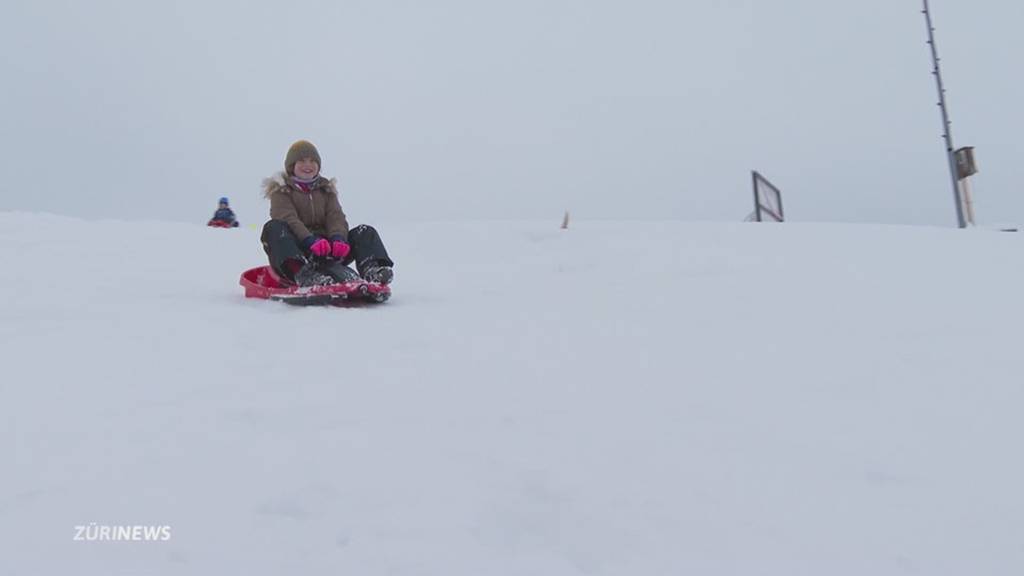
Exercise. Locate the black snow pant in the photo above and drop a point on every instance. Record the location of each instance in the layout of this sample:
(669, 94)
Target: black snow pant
(281, 245)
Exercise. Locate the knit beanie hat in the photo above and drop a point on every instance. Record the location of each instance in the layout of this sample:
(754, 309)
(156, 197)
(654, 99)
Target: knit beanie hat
(299, 150)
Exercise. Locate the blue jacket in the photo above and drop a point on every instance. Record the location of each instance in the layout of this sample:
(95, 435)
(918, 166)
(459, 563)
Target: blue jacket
(224, 215)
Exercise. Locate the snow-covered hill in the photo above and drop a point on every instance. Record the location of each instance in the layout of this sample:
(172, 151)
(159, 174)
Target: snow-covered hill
(617, 399)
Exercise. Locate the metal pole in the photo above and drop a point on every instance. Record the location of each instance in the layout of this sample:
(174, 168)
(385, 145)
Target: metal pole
(968, 200)
(947, 132)
(757, 200)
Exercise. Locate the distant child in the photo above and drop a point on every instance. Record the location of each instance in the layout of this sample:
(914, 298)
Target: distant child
(307, 239)
(224, 216)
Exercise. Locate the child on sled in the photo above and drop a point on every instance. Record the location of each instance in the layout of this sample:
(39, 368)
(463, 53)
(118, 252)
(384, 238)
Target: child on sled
(307, 239)
(224, 216)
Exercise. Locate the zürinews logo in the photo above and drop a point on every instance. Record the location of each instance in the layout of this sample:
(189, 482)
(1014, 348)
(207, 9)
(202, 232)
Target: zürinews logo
(94, 532)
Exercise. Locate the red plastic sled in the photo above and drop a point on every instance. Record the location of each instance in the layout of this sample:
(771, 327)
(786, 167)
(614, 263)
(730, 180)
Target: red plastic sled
(220, 224)
(263, 283)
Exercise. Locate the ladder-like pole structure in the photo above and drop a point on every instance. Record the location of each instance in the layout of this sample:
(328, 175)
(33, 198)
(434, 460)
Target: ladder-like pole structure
(947, 132)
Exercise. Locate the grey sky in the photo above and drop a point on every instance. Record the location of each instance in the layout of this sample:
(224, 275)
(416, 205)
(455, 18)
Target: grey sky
(510, 109)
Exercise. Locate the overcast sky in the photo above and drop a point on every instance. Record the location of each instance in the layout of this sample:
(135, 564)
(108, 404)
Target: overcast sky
(450, 109)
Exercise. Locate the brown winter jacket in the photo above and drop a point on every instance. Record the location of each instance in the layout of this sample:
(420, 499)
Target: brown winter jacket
(316, 212)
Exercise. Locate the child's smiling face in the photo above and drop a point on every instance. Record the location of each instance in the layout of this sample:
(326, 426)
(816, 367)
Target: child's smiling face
(306, 168)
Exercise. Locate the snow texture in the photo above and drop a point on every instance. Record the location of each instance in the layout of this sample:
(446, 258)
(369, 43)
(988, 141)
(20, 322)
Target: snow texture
(620, 398)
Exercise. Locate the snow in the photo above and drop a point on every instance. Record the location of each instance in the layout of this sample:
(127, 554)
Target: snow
(620, 398)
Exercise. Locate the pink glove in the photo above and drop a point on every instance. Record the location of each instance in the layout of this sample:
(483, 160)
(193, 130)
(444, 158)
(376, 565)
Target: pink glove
(340, 249)
(320, 248)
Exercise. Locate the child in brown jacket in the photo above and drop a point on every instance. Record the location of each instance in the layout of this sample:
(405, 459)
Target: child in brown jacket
(307, 239)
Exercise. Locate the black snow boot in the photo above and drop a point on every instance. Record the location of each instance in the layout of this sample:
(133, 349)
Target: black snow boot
(310, 275)
(379, 274)
(338, 271)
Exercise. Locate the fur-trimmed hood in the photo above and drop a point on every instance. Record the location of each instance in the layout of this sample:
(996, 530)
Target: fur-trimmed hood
(282, 181)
